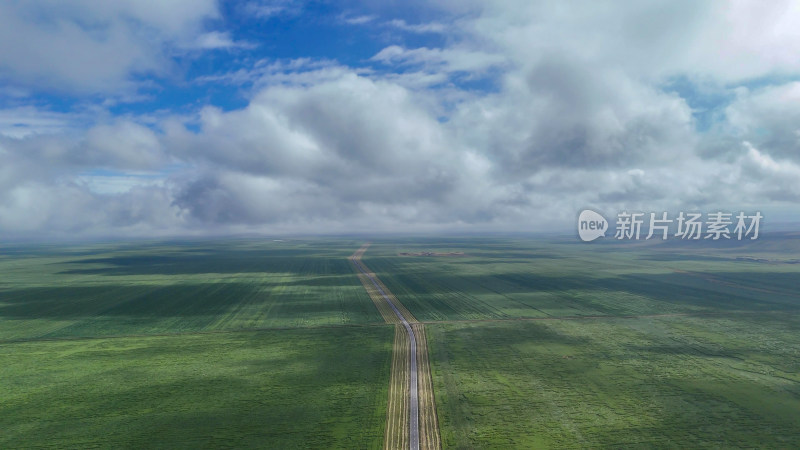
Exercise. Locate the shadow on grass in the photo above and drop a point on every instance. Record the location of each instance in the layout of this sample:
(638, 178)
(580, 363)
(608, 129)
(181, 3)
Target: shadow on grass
(690, 292)
(250, 261)
(134, 310)
(289, 389)
(169, 301)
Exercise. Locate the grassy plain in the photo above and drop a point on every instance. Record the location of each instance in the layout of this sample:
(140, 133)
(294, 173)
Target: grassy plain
(548, 343)
(653, 382)
(533, 342)
(503, 278)
(180, 287)
(241, 343)
(302, 388)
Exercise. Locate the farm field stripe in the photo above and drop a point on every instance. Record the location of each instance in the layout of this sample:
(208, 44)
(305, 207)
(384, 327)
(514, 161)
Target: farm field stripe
(397, 409)
(184, 333)
(429, 437)
(361, 325)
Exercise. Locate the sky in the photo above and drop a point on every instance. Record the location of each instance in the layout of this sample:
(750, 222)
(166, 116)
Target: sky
(157, 118)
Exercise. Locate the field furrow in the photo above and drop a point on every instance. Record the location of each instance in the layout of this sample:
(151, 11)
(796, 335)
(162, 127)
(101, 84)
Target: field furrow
(397, 410)
(428, 422)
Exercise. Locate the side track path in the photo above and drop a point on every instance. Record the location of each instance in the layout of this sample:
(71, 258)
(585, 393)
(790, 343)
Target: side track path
(411, 412)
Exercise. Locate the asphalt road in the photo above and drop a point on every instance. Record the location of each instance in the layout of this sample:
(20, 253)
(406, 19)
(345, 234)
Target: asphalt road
(413, 422)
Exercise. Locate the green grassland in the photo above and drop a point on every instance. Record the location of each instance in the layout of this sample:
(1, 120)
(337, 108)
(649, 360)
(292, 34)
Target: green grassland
(553, 343)
(165, 288)
(502, 278)
(534, 342)
(239, 343)
(319, 388)
(656, 382)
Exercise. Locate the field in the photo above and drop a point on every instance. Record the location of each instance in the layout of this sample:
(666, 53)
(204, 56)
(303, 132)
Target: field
(532, 343)
(237, 343)
(320, 388)
(166, 288)
(504, 278)
(542, 344)
(662, 382)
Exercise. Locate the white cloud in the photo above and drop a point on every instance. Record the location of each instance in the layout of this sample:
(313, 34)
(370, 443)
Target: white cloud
(69, 210)
(121, 144)
(26, 121)
(429, 27)
(729, 41)
(357, 20)
(215, 40)
(265, 9)
(89, 47)
(576, 116)
(264, 72)
(769, 117)
(439, 60)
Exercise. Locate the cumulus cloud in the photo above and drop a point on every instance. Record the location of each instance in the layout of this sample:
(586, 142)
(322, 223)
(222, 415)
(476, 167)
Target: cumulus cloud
(528, 112)
(66, 209)
(730, 41)
(768, 117)
(345, 140)
(85, 46)
(559, 113)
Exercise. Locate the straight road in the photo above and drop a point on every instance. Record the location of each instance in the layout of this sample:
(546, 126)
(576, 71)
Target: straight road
(413, 423)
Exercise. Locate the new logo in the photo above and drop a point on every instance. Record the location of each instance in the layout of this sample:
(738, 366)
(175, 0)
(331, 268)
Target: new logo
(591, 225)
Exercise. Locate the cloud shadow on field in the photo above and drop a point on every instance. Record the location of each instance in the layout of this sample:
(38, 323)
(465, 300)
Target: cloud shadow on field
(263, 387)
(689, 292)
(252, 261)
(120, 309)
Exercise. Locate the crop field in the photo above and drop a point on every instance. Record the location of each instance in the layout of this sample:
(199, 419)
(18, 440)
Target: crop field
(322, 388)
(159, 288)
(541, 344)
(654, 382)
(529, 278)
(207, 344)
(531, 343)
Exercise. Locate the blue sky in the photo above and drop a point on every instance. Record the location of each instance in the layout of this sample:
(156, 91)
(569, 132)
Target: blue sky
(173, 118)
(254, 33)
